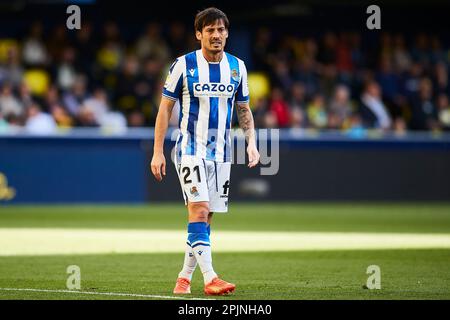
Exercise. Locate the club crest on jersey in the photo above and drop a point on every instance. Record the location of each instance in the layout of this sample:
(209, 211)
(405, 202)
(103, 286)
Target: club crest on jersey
(235, 75)
(194, 191)
(213, 89)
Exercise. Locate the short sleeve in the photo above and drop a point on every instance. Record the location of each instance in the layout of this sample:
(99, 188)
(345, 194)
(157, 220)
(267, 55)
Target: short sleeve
(242, 93)
(174, 81)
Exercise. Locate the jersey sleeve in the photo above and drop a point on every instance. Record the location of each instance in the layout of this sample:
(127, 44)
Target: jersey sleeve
(174, 82)
(242, 93)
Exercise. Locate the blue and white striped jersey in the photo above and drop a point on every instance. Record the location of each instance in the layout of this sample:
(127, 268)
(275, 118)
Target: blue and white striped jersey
(207, 92)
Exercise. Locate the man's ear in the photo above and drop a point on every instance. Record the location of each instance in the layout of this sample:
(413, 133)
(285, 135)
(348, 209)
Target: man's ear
(226, 34)
(198, 35)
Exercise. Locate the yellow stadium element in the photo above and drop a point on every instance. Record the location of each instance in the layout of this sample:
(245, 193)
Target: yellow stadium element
(37, 80)
(6, 45)
(259, 85)
(127, 102)
(6, 193)
(108, 58)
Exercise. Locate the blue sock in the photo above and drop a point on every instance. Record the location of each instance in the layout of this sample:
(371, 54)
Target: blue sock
(208, 228)
(198, 234)
(198, 239)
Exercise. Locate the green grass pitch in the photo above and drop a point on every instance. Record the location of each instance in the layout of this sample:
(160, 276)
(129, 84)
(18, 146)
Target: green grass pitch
(325, 274)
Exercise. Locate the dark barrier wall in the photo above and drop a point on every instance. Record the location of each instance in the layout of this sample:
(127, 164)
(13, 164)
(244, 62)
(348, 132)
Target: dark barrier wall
(115, 169)
(341, 170)
(348, 172)
(44, 170)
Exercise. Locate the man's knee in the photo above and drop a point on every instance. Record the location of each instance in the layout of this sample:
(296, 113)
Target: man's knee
(198, 211)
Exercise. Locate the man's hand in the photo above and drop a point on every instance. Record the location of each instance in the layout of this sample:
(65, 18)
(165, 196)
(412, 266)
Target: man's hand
(158, 166)
(253, 155)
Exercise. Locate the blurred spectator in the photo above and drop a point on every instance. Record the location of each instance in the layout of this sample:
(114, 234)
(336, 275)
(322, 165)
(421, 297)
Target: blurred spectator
(12, 70)
(443, 107)
(65, 72)
(97, 107)
(424, 112)
(270, 120)
(356, 50)
(136, 119)
(328, 79)
(344, 61)
(61, 116)
(260, 110)
(263, 50)
(86, 117)
(420, 52)
(373, 111)
(152, 44)
(305, 71)
(298, 118)
(73, 98)
(39, 122)
(177, 40)
(400, 55)
(111, 52)
(356, 128)
(297, 106)
(280, 108)
(146, 89)
(340, 107)
(57, 43)
(9, 104)
(298, 95)
(52, 97)
(86, 46)
(328, 47)
(34, 51)
(25, 95)
(303, 79)
(441, 84)
(3, 124)
(411, 80)
(125, 94)
(317, 113)
(389, 83)
(438, 54)
(400, 126)
(97, 104)
(281, 74)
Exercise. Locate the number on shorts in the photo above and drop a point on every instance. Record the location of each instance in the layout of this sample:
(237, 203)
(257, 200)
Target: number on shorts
(187, 173)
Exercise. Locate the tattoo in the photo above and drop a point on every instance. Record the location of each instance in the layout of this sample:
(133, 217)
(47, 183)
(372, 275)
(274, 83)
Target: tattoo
(245, 119)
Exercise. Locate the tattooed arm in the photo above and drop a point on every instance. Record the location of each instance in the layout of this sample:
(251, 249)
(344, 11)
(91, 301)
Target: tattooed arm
(247, 124)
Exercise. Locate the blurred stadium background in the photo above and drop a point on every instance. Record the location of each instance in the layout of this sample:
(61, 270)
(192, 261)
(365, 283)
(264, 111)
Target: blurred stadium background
(364, 119)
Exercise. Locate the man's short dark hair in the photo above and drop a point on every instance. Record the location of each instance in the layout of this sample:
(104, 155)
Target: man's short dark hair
(208, 17)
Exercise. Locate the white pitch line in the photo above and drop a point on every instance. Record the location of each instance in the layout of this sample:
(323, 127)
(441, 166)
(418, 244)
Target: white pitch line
(136, 295)
(55, 241)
